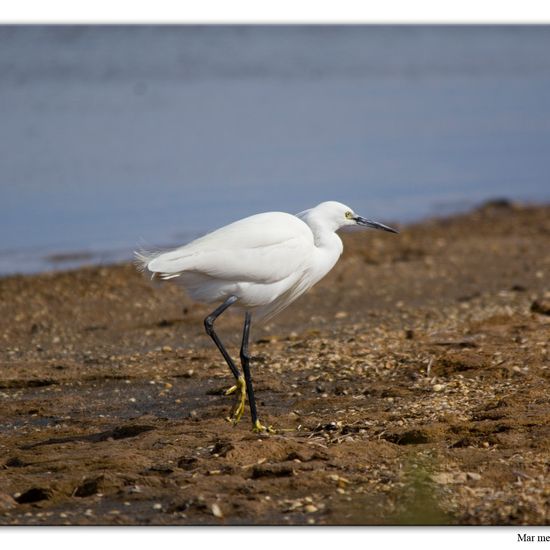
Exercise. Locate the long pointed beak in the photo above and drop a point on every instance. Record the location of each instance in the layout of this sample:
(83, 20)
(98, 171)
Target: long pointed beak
(374, 225)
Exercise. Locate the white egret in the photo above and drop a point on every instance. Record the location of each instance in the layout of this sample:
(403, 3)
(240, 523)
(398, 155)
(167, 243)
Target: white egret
(262, 264)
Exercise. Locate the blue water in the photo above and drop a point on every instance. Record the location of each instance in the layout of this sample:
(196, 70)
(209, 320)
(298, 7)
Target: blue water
(116, 137)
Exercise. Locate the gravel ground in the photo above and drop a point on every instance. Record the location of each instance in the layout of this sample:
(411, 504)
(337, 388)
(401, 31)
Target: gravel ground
(410, 386)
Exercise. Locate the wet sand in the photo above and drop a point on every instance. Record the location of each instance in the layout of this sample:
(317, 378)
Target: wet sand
(410, 386)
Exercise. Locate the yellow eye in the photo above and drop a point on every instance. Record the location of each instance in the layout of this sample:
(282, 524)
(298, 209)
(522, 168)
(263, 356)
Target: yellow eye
(349, 214)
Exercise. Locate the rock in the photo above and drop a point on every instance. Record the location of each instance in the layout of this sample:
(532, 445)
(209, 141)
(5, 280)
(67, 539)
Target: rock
(216, 510)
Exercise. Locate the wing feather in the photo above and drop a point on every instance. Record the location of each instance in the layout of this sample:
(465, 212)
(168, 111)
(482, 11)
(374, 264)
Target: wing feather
(263, 248)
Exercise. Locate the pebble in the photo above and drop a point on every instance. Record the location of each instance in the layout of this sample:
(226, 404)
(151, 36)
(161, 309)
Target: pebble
(310, 508)
(216, 510)
(438, 387)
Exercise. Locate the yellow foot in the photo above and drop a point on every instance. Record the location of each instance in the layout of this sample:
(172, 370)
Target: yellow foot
(241, 400)
(260, 428)
(231, 390)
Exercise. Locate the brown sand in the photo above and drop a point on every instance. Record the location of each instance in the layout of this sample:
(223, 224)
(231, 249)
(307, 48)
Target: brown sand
(413, 382)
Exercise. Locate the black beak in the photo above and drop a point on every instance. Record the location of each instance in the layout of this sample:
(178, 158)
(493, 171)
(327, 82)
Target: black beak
(374, 225)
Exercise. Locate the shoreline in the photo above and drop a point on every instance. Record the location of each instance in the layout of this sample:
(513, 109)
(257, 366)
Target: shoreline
(55, 259)
(412, 381)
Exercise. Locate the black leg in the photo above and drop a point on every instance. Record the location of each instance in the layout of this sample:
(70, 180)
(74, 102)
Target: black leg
(209, 326)
(245, 362)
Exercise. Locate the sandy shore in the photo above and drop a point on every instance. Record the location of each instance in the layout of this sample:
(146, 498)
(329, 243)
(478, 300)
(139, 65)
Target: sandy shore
(412, 385)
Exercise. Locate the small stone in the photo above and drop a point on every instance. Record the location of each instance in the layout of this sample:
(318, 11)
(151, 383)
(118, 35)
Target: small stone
(310, 508)
(216, 510)
(473, 476)
(157, 506)
(166, 349)
(340, 315)
(438, 387)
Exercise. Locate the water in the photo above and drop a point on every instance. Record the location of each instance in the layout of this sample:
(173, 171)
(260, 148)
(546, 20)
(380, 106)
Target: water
(115, 137)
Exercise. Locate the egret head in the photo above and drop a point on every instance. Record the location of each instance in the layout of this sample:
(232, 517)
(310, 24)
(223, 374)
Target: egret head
(339, 215)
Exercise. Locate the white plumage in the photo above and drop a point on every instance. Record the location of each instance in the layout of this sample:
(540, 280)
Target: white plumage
(267, 260)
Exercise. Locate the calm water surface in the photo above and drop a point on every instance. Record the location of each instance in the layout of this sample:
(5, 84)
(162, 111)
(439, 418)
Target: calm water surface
(116, 137)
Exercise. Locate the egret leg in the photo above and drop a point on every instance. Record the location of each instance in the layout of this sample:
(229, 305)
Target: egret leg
(245, 362)
(209, 326)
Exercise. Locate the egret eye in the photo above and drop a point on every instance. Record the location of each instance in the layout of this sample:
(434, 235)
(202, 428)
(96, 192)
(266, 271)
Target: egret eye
(349, 214)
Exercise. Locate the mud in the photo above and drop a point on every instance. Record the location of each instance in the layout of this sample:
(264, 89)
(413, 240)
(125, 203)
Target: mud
(411, 386)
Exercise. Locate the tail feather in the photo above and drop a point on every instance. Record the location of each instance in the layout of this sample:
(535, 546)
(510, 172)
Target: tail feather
(142, 259)
(167, 267)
